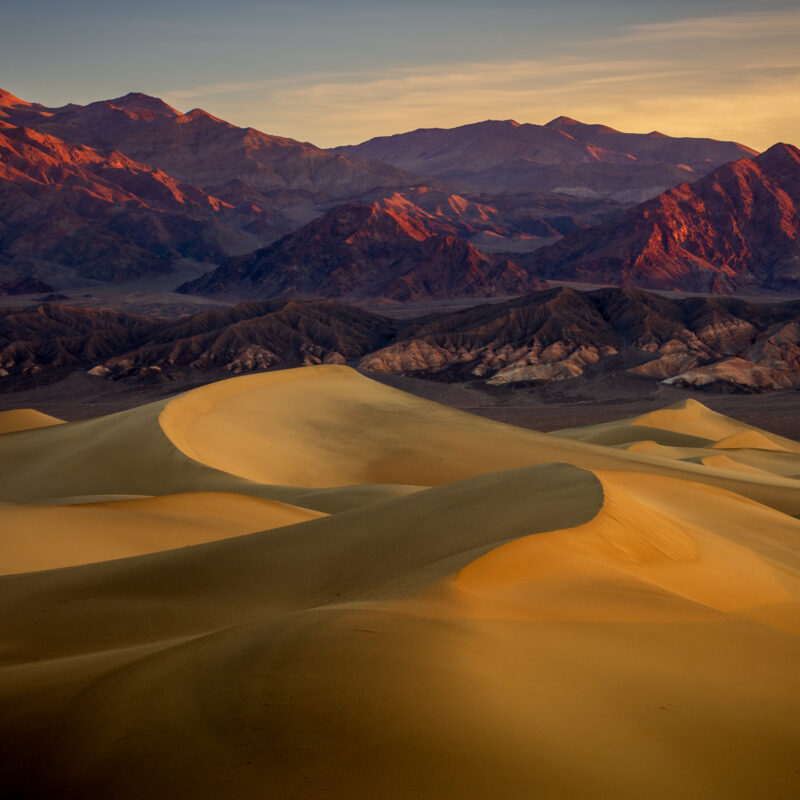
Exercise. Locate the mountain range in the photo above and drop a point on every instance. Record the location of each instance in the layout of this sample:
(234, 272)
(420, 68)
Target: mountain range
(559, 334)
(563, 156)
(131, 188)
(127, 187)
(737, 229)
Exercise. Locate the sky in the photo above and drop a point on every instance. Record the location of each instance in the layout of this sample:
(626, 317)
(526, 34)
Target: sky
(343, 71)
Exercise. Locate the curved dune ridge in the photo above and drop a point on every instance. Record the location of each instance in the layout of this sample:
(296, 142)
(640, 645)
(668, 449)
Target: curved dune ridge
(686, 423)
(330, 426)
(751, 440)
(51, 536)
(323, 587)
(23, 419)
(723, 462)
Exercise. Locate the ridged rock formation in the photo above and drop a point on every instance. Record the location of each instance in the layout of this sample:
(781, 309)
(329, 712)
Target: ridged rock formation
(247, 337)
(559, 334)
(564, 334)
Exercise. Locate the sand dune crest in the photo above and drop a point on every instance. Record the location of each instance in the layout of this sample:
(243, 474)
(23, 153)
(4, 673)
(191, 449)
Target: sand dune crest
(24, 419)
(52, 536)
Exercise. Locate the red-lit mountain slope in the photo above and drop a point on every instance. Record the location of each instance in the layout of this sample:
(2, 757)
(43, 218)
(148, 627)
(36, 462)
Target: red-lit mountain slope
(737, 229)
(358, 250)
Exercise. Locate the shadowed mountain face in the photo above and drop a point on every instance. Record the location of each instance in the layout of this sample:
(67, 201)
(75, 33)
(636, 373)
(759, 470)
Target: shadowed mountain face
(126, 188)
(359, 251)
(738, 229)
(555, 335)
(24, 286)
(564, 156)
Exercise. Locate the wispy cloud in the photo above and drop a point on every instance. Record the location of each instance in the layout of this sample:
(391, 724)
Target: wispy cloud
(437, 96)
(758, 113)
(425, 75)
(744, 90)
(239, 87)
(734, 26)
(637, 77)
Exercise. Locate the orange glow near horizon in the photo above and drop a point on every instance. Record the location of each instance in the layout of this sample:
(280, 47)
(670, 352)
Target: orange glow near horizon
(335, 112)
(734, 77)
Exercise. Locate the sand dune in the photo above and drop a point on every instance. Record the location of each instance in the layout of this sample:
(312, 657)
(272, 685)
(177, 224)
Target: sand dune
(724, 462)
(775, 463)
(481, 612)
(128, 455)
(50, 536)
(23, 419)
(692, 418)
(686, 423)
(278, 434)
(754, 440)
(329, 426)
(696, 543)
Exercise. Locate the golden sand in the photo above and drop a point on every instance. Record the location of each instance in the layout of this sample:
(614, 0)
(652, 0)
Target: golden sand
(51, 536)
(23, 419)
(480, 612)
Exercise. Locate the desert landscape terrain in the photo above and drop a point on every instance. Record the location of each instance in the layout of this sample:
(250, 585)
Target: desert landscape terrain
(400, 401)
(306, 583)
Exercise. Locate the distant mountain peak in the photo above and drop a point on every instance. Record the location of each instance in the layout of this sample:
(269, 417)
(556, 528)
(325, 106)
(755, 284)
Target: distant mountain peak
(360, 250)
(562, 122)
(512, 123)
(782, 150)
(781, 159)
(138, 101)
(6, 98)
(565, 156)
(197, 114)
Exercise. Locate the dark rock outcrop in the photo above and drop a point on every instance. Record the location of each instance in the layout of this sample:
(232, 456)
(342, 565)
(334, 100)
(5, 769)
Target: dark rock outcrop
(24, 286)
